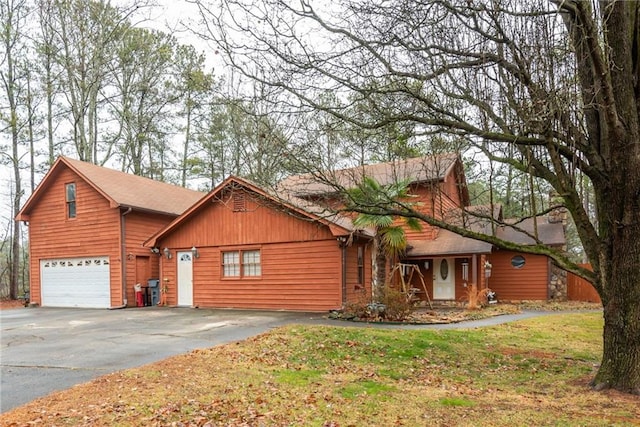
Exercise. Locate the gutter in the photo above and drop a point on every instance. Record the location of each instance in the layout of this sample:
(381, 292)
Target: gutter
(123, 257)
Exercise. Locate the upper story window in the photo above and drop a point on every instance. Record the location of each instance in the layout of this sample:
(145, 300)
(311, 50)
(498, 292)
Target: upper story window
(70, 198)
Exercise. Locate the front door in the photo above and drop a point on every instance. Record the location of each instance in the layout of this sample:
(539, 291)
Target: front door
(185, 279)
(444, 279)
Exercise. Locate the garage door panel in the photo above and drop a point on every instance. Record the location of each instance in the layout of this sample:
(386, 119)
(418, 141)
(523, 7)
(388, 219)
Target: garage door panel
(76, 282)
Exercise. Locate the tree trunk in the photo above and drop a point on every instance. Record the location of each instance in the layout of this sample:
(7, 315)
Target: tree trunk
(381, 266)
(620, 276)
(620, 367)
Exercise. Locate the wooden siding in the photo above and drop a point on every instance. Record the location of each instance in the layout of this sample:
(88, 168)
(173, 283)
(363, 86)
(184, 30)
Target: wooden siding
(219, 225)
(579, 289)
(139, 226)
(355, 291)
(530, 282)
(94, 232)
(302, 276)
(301, 261)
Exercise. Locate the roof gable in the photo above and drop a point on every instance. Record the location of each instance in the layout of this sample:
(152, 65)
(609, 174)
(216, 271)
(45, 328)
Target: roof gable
(338, 224)
(120, 189)
(415, 170)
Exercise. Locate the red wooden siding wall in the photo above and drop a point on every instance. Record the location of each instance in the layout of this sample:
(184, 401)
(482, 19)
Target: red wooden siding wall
(529, 282)
(138, 227)
(300, 259)
(357, 292)
(299, 276)
(94, 232)
(579, 289)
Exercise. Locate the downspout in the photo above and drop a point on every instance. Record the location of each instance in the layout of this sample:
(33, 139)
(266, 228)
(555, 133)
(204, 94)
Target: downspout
(343, 245)
(123, 258)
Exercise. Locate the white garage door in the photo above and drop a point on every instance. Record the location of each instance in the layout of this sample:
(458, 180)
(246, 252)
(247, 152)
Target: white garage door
(75, 282)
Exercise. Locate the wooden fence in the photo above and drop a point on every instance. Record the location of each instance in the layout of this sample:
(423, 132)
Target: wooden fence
(579, 289)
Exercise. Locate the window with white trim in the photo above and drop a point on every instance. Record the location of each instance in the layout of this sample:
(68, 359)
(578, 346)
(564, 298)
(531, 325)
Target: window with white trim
(240, 264)
(70, 198)
(251, 264)
(231, 264)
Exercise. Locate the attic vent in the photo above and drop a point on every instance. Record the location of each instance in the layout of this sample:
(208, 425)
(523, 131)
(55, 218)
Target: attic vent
(239, 202)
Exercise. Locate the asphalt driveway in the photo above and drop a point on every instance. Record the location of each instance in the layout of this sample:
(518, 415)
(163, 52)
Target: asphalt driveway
(49, 349)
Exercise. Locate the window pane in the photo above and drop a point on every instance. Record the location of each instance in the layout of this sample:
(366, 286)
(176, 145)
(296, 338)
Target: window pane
(360, 265)
(230, 264)
(71, 192)
(444, 269)
(71, 210)
(518, 261)
(251, 263)
(70, 195)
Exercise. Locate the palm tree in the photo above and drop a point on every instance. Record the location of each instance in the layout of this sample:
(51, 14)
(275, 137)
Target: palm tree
(390, 238)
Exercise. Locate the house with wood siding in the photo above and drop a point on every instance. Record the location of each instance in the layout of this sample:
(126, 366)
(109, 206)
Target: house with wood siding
(86, 228)
(243, 247)
(94, 233)
(448, 263)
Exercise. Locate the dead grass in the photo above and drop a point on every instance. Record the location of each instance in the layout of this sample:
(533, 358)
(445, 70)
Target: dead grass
(533, 372)
(8, 304)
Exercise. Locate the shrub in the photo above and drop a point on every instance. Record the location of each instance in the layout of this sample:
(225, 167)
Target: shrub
(476, 298)
(397, 305)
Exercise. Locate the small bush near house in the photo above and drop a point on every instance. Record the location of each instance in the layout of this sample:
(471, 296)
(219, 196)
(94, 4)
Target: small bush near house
(397, 305)
(392, 305)
(475, 298)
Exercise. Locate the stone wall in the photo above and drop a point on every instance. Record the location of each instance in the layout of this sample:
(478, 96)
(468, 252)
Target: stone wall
(557, 284)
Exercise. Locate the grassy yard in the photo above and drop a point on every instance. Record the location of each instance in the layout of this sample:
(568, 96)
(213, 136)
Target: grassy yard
(528, 373)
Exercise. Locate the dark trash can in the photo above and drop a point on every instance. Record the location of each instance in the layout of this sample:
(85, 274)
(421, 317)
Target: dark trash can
(154, 291)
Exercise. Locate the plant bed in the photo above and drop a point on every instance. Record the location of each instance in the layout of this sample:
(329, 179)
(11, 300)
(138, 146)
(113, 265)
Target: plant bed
(455, 313)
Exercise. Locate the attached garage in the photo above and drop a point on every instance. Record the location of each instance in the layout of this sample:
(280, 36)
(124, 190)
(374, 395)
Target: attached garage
(76, 282)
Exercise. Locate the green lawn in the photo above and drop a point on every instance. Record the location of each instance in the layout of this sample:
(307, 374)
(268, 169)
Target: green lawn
(533, 372)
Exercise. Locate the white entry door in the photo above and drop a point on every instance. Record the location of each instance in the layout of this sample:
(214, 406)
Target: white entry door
(444, 286)
(185, 278)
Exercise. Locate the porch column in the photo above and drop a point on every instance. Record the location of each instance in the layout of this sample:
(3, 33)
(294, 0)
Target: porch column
(474, 269)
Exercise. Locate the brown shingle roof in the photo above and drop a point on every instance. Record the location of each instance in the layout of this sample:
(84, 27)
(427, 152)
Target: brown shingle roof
(447, 243)
(138, 192)
(416, 170)
(549, 233)
(123, 189)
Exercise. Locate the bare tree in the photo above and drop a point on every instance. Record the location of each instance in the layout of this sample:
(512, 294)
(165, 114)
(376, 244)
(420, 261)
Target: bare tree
(549, 88)
(13, 15)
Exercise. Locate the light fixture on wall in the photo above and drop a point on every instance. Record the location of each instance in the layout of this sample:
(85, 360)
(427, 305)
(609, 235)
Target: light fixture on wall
(195, 252)
(167, 253)
(465, 269)
(155, 250)
(426, 265)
